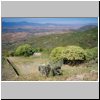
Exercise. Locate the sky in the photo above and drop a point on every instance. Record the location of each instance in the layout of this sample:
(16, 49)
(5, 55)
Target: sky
(54, 20)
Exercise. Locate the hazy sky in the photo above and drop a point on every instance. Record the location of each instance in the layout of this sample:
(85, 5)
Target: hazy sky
(54, 20)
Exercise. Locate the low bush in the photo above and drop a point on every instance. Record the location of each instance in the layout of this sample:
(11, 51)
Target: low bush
(74, 55)
(69, 54)
(91, 54)
(57, 54)
(24, 50)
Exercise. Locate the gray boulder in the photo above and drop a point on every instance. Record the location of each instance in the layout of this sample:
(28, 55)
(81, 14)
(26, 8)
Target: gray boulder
(44, 69)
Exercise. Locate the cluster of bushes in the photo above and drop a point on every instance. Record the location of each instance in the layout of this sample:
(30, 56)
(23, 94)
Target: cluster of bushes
(73, 54)
(69, 54)
(23, 50)
(26, 50)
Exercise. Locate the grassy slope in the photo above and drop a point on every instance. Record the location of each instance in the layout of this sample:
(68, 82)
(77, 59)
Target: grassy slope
(30, 64)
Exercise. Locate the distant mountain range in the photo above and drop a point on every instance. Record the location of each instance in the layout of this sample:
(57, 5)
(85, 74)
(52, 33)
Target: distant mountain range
(86, 27)
(13, 27)
(13, 24)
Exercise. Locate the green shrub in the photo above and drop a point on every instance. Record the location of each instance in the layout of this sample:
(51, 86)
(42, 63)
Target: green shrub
(57, 54)
(91, 54)
(69, 54)
(24, 50)
(74, 53)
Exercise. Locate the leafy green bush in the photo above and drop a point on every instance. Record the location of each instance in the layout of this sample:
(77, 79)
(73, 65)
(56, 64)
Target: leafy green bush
(24, 50)
(74, 53)
(70, 54)
(91, 54)
(57, 54)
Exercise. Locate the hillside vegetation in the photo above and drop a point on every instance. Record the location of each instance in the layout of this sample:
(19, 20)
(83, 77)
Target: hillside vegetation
(85, 39)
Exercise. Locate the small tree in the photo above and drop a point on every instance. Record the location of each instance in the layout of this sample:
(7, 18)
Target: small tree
(24, 50)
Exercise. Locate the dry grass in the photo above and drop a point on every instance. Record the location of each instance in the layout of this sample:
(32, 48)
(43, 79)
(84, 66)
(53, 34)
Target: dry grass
(28, 69)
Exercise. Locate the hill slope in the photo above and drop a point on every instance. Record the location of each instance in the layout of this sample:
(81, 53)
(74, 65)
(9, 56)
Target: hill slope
(85, 39)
